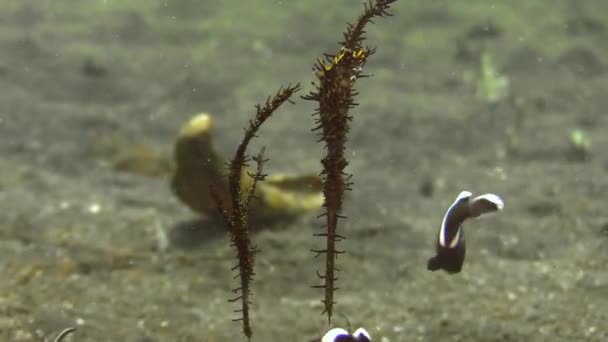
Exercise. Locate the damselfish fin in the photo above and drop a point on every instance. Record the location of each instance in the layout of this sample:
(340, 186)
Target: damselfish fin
(362, 335)
(452, 265)
(484, 204)
(448, 259)
(433, 264)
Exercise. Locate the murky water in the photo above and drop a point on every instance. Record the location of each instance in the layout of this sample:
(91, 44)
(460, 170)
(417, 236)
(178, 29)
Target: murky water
(491, 97)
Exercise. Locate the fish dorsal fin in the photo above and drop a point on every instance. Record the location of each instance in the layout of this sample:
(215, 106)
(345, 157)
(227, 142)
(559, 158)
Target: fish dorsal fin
(485, 204)
(362, 335)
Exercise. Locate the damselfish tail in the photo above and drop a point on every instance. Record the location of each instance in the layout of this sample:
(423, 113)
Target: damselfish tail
(433, 264)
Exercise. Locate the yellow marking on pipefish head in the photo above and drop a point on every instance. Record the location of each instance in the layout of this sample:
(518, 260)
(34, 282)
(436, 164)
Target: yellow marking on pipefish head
(338, 58)
(359, 54)
(323, 65)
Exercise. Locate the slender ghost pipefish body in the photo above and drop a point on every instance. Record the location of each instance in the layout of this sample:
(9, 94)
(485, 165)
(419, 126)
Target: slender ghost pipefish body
(450, 247)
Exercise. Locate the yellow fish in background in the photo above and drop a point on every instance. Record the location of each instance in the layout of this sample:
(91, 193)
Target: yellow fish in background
(198, 167)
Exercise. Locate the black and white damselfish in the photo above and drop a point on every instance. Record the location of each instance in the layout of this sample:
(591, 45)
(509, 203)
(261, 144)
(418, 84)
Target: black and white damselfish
(450, 248)
(341, 335)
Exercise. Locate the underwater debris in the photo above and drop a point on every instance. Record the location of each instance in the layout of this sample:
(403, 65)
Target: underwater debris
(492, 86)
(236, 209)
(335, 91)
(64, 333)
(198, 166)
(450, 246)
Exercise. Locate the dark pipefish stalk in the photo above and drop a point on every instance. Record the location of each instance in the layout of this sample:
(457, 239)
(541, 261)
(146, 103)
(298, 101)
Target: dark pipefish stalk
(236, 215)
(334, 92)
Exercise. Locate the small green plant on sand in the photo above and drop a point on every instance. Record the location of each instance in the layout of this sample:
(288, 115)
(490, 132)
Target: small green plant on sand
(491, 85)
(493, 88)
(580, 145)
